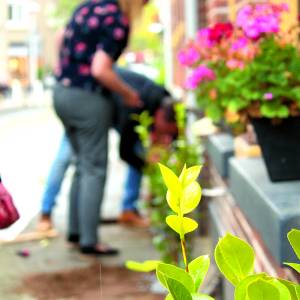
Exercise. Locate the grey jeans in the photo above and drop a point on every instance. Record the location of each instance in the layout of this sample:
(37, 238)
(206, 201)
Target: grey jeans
(86, 117)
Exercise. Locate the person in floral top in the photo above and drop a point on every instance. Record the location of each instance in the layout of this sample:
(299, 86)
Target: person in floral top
(92, 41)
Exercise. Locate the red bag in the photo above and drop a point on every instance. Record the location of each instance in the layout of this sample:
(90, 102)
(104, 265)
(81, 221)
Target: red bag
(8, 211)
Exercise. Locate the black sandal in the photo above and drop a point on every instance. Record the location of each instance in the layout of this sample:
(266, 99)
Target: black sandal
(99, 252)
(73, 238)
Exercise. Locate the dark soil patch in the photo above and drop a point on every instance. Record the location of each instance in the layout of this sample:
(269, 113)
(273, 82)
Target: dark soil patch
(91, 283)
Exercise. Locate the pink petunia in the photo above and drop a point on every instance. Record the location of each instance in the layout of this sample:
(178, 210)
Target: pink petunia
(84, 70)
(268, 96)
(200, 74)
(119, 33)
(189, 56)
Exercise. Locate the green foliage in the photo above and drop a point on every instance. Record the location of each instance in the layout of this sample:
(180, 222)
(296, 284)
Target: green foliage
(275, 71)
(235, 258)
(166, 241)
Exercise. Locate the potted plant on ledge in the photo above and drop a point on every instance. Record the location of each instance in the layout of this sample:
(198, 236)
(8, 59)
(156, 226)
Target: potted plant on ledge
(250, 72)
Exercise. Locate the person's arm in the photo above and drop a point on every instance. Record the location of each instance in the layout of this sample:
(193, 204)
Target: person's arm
(59, 36)
(102, 70)
(128, 141)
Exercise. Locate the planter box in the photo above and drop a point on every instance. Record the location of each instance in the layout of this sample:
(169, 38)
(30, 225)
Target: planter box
(271, 208)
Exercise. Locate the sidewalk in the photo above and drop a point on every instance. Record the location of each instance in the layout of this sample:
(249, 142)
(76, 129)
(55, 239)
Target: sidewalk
(52, 270)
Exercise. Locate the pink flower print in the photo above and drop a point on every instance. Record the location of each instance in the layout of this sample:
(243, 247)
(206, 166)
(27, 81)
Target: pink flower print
(93, 22)
(65, 61)
(84, 11)
(80, 47)
(68, 33)
(79, 19)
(84, 70)
(66, 82)
(268, 96)
(119, 34)
(124, 20)
(112, 8)
(100, 10)
(109, 20)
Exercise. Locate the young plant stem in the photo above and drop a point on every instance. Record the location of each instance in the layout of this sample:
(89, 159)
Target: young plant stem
(183, 247)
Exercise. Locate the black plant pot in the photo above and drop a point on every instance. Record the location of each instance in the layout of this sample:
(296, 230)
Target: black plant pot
(280, 145)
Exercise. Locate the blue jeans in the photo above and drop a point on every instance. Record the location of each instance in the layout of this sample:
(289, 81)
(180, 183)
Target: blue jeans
(56, 175)
(132, 189)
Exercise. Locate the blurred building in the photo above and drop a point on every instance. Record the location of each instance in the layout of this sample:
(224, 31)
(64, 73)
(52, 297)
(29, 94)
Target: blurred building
(182, 19)
(26, 34)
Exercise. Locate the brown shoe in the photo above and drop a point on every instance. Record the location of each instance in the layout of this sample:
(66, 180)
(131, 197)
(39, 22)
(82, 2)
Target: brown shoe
(44, 223)
(132, 218)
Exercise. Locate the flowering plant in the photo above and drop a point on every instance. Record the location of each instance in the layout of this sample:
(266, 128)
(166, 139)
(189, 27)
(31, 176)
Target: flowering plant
(245, 69)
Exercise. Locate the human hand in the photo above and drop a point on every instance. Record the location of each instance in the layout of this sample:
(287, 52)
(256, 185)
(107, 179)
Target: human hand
(132, 99)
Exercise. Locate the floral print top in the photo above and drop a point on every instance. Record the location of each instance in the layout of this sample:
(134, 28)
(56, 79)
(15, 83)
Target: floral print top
(95, 24)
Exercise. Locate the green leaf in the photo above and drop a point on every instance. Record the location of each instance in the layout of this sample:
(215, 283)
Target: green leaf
(262, 290)
(146, 266)
(201, 297)
(295, 266)
(169, 297)
(174, 187)
(198, 269)
(191, 196)
(294, 239)
(235, 258)
(173, 272)
(293, 288)
(189, 175)
(177, 289)
(173, 201)
(284, 293)
(181, 225)
(241, 290)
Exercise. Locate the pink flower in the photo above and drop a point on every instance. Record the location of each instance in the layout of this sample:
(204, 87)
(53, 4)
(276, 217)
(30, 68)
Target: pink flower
(188, 56)
(108, 20)
(268, 96)
(80, 47)
(84, 70)
(235, 64)
(200, 74)
(93, 22)
(119, 33)
(241, 43)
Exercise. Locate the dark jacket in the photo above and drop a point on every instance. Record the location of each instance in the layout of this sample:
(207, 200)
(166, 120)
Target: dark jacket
(151, 95)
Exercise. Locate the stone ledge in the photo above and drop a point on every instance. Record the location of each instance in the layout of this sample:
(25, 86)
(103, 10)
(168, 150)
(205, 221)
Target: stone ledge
(220, 148)
(271, 208)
